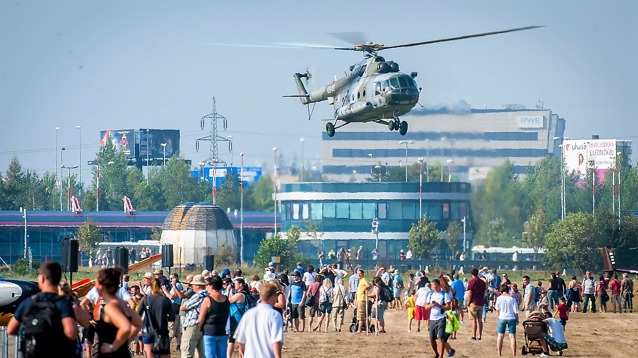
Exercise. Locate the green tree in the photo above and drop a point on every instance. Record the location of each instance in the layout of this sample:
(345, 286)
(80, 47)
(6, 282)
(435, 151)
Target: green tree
(535, 229)
(89, 235)
(541, 189)
(15, 185)
(228, 195)
(423, 238)
(285, 249)
(452, 234)
(573, 241)
(260, 195)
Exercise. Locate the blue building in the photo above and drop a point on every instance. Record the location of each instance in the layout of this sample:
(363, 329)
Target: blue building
(344, 212)
(46, 230)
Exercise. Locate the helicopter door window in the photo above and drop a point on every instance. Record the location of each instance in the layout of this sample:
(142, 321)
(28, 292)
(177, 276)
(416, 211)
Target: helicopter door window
(363, 70)
(385, 85)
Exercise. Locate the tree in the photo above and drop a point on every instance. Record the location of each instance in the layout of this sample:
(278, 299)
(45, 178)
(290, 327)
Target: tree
(452, 235)
(260, 195)
(285, 249)
(535, 229)
(573, 241)
(89, 235)
(423, 237)
(228, 195)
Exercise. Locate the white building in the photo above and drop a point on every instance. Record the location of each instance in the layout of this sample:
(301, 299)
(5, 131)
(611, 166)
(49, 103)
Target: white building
(470, 141)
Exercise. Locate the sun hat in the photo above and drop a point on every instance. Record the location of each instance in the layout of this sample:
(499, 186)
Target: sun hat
(198, 280)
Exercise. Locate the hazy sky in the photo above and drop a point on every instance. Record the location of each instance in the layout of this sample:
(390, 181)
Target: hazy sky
(139, 64)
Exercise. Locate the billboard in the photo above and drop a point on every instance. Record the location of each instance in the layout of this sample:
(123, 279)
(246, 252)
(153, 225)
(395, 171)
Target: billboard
(151, 140)
(251, 174)
(122, 139)
(593, 154)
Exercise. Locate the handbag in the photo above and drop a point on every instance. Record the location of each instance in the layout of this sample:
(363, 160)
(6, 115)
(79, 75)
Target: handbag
(161, 340)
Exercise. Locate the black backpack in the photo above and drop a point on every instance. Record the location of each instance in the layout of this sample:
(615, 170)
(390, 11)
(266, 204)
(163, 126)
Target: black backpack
(386, 294)
(42, 329)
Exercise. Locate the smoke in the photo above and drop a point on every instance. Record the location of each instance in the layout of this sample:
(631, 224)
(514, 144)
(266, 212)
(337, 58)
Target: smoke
(459, 108)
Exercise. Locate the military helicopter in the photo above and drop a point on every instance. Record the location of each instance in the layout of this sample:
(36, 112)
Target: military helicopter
(374, 90)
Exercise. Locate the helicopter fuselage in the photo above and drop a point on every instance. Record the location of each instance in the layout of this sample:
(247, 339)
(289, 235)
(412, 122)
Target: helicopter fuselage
(373, 91)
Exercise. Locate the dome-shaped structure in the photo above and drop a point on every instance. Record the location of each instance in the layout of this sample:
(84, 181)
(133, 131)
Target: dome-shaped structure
(196, 230)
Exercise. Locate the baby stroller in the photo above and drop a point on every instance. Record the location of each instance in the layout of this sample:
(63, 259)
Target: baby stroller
(367, 325)
(534, 330)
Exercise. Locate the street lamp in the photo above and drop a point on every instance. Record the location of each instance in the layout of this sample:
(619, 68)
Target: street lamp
(464, 240)
(449, 170)
(562, 175)
(375, 231)
(301, 140)
(68, 191)
(241, 210)
(79, 128)
(164, 150)
(61, 165)
(24, 216)
(274, 184)
(97, 189)
(378, 167)
(441, 159)
(147, 151)
(58, 175)
(230, 149)
(407, 143)
(420, 188)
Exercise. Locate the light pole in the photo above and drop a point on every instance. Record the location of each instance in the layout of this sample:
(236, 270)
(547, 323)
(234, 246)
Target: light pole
(378, 167)
(407, 143)
(79, 128)
(58, 177)
(201, 171)
(24, 216)
(164, 156)
(61, 166)
(301, 140)
(441, 159)
(592, 168)
(562, 175)
(464, 221)
(148, 140)
(375, 231)
(68, 191)
(420, 188)
(274, 184)
(230, 149)
(449, 170)
(619, 166)
(241, 210)
(97, 187)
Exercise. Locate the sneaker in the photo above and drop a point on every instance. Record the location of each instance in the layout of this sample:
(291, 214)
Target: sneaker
(544, 355)
(452, 353)
(409, 331)
(473, 339)
(418, 329)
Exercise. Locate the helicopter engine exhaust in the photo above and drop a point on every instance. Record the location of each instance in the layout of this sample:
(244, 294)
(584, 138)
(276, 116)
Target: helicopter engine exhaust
(353, 109)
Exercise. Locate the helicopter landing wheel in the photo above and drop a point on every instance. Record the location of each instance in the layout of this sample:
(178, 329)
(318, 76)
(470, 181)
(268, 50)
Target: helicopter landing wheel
(330, 129)
(403, 129)
(392, 126)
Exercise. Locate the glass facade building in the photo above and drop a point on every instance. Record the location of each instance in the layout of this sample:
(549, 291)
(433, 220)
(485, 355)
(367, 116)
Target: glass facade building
(343, 213)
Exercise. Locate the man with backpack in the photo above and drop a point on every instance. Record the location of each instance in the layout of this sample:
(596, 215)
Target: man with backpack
(47, 319)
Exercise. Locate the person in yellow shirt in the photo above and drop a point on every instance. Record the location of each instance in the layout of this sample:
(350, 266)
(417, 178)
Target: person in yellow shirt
(410, 303)
(362, 298)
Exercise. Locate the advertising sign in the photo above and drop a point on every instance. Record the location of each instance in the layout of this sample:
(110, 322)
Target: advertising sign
(122, 139)
(531, 122)
(151, 140)
(593, 154)
(251, 174)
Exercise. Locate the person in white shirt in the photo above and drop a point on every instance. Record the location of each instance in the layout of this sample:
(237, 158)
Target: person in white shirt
(309, 276)
(438, 302)
(507, 311)
(555, 339)
(260, 332)
(420, 313)
(408, 255)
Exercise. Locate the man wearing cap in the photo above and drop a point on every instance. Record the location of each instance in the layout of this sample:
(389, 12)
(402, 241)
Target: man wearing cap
(297, 297)
(192, 339)
(164, 282)
(146, 284)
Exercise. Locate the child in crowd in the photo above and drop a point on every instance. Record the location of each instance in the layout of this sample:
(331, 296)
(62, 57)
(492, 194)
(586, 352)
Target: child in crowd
(410, 304)
(563, 312)
(454, 309)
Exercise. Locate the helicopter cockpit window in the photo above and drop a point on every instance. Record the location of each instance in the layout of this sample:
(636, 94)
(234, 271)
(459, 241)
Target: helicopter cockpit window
(385, 85)
(377, 88)
(394, 83)
(363, 70)
(403, 81)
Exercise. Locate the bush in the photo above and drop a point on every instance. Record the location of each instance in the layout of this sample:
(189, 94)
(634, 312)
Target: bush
(21, 266)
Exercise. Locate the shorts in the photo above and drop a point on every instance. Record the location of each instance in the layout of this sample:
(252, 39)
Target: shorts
(510, 323)
(148, 340)
(615, 299)
(352, 296)
(421, 314)
(298, 311)
(563, 321)
(555, 346)
(315, 311)
(437, 329)
(325, 308)
(361, 310)
(476, 312)
(411, 313)
(379, 310)
(461, 304)
(396, 293)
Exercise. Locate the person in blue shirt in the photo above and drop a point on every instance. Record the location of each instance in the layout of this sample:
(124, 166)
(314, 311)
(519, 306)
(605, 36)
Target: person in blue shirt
(296, 298)
(459, 292)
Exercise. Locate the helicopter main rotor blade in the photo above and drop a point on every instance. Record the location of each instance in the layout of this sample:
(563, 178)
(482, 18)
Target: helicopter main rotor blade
(460, 37)
(353, 38)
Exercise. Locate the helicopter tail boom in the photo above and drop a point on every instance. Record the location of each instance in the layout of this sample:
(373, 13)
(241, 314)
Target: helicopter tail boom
(303, 93)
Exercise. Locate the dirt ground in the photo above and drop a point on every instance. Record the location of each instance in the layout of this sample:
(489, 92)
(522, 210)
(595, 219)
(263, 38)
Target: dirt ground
(588, 335)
